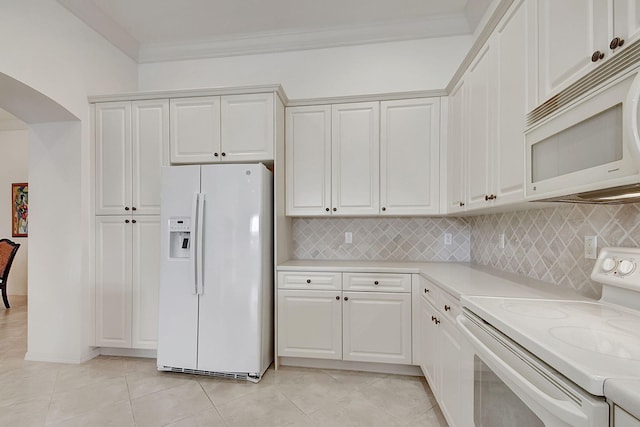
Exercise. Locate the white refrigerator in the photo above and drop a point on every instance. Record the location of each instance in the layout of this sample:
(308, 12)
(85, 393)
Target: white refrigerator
(216, 275)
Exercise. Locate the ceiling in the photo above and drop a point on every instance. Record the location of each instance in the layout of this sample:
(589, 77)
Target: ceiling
(161, 30)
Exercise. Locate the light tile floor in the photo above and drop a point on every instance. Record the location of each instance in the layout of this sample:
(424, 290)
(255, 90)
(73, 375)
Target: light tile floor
(119, 391)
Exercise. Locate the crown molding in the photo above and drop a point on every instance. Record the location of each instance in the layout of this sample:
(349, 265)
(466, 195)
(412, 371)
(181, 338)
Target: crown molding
(282, 41)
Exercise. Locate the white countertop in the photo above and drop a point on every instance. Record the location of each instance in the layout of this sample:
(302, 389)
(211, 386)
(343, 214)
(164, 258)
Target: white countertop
(455, 278)
(625, 393)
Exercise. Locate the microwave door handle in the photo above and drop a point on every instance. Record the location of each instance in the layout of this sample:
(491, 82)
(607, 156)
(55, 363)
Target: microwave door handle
(631, 111)
(566, 410)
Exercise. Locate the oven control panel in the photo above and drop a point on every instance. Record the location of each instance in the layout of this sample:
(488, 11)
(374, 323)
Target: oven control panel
(618, 267)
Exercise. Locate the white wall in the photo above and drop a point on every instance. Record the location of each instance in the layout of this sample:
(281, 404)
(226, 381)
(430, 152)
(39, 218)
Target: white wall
(13, 168)
(49, 49)
(353, 70)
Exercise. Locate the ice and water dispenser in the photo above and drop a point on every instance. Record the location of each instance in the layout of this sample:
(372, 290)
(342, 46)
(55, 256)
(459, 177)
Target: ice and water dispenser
(179, 237)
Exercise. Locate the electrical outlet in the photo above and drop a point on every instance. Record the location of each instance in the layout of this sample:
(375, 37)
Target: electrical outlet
(591, 247)
(348, 237)
(447, 239)
(501, 241)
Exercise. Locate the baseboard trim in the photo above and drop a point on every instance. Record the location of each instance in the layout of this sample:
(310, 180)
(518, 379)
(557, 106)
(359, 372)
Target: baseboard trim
(128, 352)
(380, 368)
(58, 358)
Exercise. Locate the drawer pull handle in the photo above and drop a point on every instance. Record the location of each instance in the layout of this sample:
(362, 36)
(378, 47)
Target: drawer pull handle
(308, 280)
(447, 307)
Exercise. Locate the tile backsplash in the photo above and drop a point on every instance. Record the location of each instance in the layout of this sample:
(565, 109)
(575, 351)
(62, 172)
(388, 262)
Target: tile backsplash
(381, 239)
(545, 244)
(548, 244)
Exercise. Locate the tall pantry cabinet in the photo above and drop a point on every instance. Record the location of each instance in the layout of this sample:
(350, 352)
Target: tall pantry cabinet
(131, 147)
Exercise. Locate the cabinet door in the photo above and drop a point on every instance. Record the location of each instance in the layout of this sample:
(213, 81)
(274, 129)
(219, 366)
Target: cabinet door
(247, 127)
(480, 112)
(456, 154)
(622, 418)
(146, 281)
(429, 344)
(308, 160)
(569, 32)
(113, 281)
(377, 327)
(512, 98)
(195, 130)
(150, 143)
(626, 20)
(355, 150)
(409, 156)
(449, 361)
(113, 158)
(310, 324)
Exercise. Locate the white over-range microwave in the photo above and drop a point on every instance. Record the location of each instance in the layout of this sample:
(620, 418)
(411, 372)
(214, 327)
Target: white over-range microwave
(583, 145)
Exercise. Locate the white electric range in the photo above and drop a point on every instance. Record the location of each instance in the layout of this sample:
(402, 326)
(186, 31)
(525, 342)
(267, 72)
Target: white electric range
(552, 357)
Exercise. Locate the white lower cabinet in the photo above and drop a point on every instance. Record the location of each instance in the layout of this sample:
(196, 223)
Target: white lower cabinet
(622, 418)
(441, 357)
(364, 326)
(127, 270)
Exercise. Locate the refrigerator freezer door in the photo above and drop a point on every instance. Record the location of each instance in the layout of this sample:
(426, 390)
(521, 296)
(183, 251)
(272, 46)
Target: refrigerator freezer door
(178, 302)
(230, 331)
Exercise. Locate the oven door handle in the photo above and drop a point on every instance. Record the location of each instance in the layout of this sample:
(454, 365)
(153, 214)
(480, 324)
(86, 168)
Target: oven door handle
(567, 410)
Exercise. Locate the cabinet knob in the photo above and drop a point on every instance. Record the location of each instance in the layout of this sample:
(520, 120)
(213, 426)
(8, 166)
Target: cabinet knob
(327, 209)
(224, 154)
(134, 208)
(308, 280)
(126, 221)
(447, 307)
(437, 321)
(376, 283)
(426, 291)
(461, 204)
(133, 221)
(597, 55)
(616, 43)
(215, 154)
(384, 209)
(346, 298)
(335, 209)
(486, 197)
(338, 298)
(126, 208)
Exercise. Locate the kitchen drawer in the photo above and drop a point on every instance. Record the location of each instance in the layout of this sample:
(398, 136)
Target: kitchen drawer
(449, 305)
(310, 280)
(377, 282)
(429, 291)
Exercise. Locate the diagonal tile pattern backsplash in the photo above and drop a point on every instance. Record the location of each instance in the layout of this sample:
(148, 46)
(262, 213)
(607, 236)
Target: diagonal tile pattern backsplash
(388, 239)
(548, 244)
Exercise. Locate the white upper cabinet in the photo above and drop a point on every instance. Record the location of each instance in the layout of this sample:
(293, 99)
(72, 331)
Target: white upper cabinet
(195, 130)
(456, 159)
(355, 149)
(247, 127)
(574, 36)
(495, 95)
(409, 156)
(308, 160)
(228, 128)
(480, 108)
(131, 147)
(344, 159)
(515, 97)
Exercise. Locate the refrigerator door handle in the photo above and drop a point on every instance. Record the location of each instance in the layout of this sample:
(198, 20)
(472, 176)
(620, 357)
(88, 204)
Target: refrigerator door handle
(193, 270)
(199, 242)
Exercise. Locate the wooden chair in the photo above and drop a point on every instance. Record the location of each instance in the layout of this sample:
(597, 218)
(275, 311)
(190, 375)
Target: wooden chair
(8, 251)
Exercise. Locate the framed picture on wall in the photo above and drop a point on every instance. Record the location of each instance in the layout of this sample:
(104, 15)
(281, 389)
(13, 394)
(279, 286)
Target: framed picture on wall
(19, 209)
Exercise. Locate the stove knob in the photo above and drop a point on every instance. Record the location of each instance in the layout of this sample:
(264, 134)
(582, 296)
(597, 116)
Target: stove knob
(626, 267)
(608, 265)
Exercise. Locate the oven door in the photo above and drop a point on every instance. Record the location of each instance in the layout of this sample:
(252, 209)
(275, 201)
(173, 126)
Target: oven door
(511, 387)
